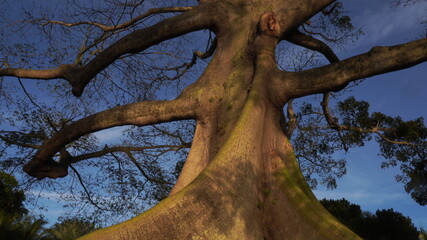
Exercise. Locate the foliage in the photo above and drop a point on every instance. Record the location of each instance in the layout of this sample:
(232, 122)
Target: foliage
(384, 224)
(349, 214)
(25, 228)
(402, 143)
(12, 198)
(71, 229)
(15, 223)
(423, 234)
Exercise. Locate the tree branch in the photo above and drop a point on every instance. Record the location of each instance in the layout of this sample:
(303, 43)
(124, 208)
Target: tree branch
(134, 161)
(86, 190)
(183, 68)
(20, 144)
(336, 76)
(139, 114)
(332, 121)
(200, 17)
(291, 124)
(46, 74)
(108, 150)
(317, 45)
(377, 131)
(124, 25)
(312, 43)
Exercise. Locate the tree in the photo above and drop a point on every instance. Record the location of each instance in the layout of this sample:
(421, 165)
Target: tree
(241, 179)
(12, 198)
(15, 223)
(384, 224)
(423, 234)
(348, 213)
(71, 229)
(389, 224)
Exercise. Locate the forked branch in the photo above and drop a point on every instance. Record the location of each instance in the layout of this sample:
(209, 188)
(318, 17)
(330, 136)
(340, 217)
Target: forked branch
(314, 44)
(201, 17)
(139, 114)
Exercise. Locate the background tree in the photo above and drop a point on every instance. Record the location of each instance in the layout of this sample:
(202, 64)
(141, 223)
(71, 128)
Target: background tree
(71, 229)
(245, 179)
(12, 198)
(349, 214)
(384, 224)
(423, 234)
(15, 222)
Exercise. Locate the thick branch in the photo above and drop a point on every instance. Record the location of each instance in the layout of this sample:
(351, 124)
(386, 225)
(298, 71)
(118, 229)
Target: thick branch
(201, 17)
(139, 114)
(319, 46)
(54, 73)
(336, 76)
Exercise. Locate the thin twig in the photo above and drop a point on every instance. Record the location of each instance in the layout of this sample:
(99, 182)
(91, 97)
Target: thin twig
(85, 189)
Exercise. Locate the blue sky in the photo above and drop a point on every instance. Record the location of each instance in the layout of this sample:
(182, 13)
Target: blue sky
(401, 93)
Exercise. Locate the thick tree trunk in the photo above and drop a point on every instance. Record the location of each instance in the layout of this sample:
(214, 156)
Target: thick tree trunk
(241, 179)
(252, 189)
(251, 186)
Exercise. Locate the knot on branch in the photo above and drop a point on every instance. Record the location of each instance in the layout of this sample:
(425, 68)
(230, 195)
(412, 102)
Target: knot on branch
(48, 168)
(77, 81)
(269, 24)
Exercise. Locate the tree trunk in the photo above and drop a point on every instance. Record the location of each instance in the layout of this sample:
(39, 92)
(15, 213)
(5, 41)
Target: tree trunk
(241, 179)
(252, 189)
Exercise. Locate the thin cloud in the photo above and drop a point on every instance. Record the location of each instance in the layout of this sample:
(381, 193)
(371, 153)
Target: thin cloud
(111, 135)
(382, 23)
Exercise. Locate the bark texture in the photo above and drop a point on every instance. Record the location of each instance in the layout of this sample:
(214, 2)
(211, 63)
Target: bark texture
(241, 179)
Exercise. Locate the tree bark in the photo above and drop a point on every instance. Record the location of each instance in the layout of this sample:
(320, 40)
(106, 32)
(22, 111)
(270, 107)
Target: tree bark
(250, 190)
